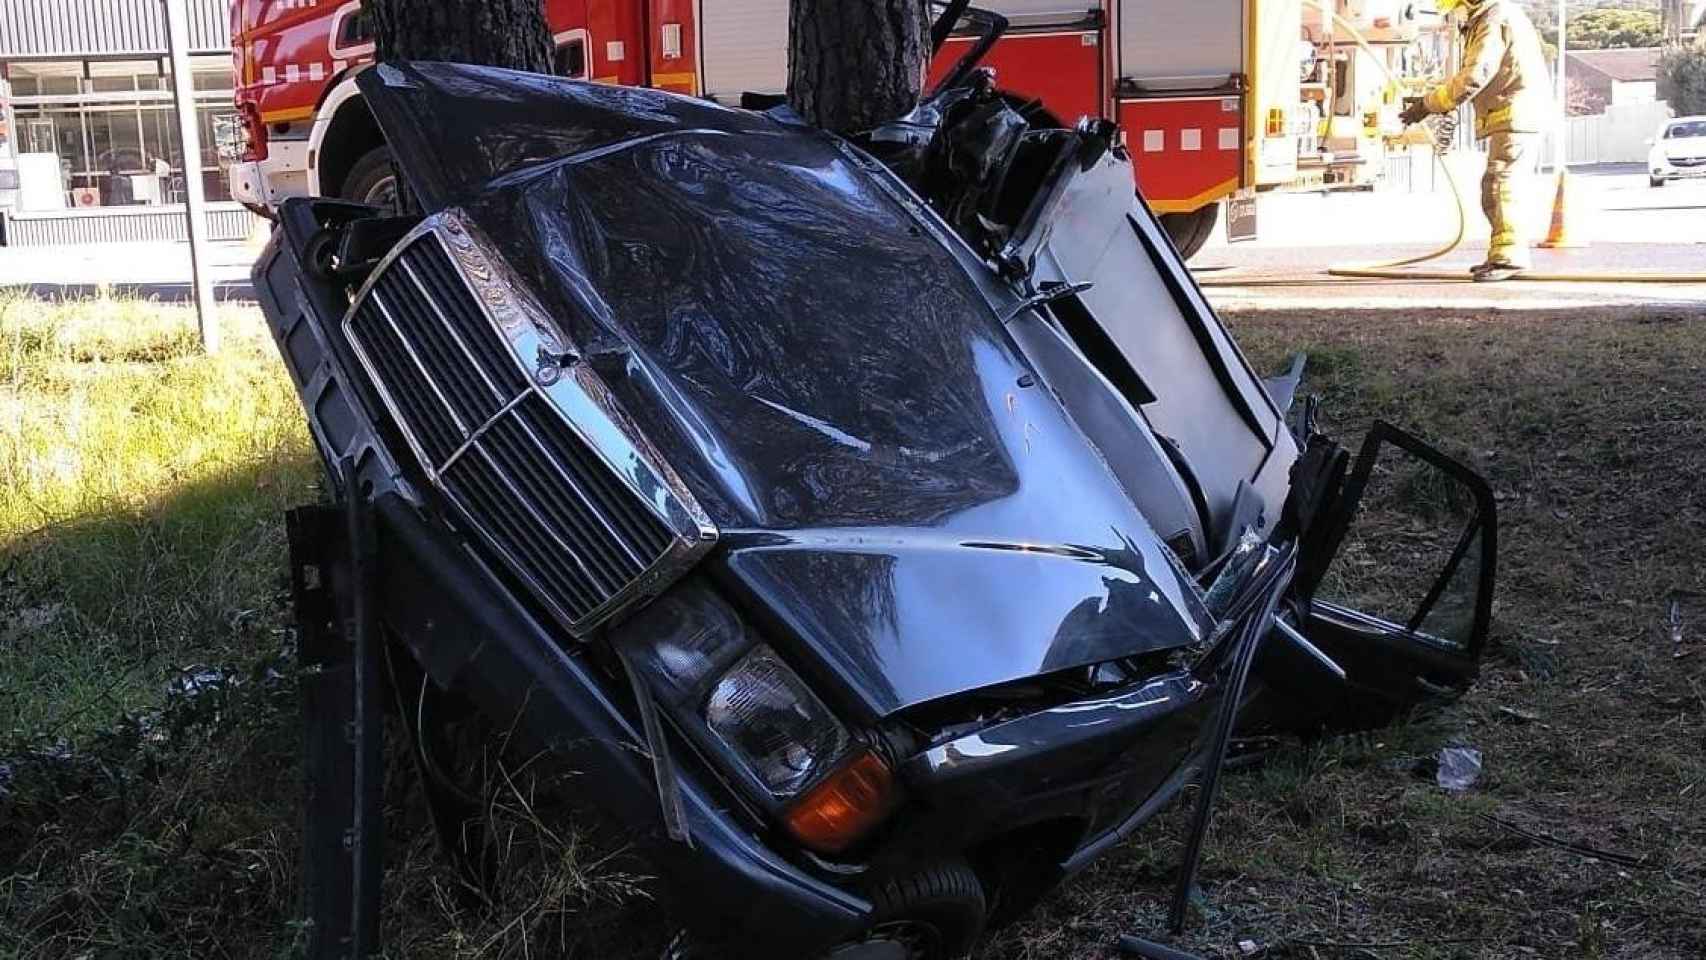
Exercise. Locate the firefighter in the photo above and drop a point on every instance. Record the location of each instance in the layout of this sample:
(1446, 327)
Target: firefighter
(1504, 74)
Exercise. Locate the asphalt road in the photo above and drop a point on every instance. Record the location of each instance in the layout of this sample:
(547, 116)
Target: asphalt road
(1626, 225)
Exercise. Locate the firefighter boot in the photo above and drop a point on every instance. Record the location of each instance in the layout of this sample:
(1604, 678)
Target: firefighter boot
(1493, 272)
(1509, 158)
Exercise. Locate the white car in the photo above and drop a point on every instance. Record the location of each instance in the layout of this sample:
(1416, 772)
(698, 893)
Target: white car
(1678, 151)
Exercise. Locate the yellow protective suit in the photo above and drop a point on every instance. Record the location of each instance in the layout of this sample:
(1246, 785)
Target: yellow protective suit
(1504, 75)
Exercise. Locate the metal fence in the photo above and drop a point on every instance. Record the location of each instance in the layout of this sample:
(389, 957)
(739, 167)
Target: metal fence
(74, 28)
(1619, 135)
(225, 221)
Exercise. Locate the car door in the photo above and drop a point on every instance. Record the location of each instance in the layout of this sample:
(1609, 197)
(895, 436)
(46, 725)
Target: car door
(1394, 601)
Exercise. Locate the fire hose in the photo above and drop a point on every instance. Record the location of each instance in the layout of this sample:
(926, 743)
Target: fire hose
(1393, 269)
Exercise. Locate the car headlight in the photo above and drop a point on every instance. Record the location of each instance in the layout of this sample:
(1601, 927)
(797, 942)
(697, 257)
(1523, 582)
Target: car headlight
(686, 639)
(763, 711)
(740, 702)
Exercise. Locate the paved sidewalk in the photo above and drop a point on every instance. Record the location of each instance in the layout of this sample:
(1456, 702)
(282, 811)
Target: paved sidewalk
(1297, 279)
(158, 270)
(1628, 226)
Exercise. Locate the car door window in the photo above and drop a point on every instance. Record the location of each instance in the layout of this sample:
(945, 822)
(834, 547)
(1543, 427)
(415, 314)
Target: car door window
(1416, 552)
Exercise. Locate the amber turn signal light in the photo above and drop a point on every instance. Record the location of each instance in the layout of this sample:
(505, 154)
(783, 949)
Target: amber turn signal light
(831, 816)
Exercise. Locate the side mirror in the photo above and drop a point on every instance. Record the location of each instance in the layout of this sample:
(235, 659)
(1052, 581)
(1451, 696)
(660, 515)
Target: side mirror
(1650, 141)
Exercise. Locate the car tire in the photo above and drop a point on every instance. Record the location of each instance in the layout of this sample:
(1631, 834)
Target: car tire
(1190, 231)
(372, 180)
(932, 913)
(1655, 181)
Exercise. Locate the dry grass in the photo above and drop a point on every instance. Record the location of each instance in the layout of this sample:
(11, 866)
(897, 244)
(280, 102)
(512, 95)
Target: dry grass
(1592, 430)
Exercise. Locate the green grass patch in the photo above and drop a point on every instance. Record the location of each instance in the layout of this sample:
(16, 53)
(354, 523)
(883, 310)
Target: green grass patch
(141, 486)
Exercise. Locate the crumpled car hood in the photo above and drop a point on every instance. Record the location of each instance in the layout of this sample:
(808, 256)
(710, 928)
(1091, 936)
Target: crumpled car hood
(896, 490)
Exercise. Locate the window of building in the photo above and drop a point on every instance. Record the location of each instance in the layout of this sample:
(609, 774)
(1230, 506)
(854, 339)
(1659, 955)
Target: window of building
(208, 75)
(46, 78)
(124, 76)
(112, 127)
(115, 140)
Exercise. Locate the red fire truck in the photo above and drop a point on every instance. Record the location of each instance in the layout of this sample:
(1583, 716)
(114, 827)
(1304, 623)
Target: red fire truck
(1217, 98)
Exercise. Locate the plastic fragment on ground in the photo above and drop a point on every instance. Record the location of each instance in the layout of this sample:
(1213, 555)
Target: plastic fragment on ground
(1459, 768)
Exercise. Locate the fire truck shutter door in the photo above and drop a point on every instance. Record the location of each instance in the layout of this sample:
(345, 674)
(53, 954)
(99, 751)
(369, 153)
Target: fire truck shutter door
(745, 47)
(1063, 11)
(1162, 40)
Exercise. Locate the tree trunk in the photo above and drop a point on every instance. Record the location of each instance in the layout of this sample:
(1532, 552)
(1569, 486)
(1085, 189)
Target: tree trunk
(493, 33)
(853, 64)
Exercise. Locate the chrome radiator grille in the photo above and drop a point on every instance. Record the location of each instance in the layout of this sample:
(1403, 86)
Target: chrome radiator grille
(588, 530)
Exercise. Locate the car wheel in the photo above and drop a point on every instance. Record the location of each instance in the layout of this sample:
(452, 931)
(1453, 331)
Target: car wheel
(934, 913)
(372, 180)
(1655, 181)
(1191, 230)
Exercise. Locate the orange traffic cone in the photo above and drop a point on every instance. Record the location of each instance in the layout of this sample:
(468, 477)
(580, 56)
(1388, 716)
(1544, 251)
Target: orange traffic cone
(1558, 235)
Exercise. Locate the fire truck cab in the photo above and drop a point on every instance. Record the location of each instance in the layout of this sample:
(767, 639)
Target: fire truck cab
(305, 130)
(1217, 99)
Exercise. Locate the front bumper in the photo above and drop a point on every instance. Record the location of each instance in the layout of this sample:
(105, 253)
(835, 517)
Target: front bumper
(1677, 170)
(1105, 764)
(270, 182)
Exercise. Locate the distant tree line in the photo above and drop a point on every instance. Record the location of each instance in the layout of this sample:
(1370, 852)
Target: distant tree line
(1682, 79)
(1599, 24)
(1606, 28)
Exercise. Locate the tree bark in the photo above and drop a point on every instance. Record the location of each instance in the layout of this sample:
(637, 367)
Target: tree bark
(853, 64)
(493, 33)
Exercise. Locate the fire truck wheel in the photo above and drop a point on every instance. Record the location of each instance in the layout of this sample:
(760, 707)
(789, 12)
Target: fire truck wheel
(372, 180)
(1191, 230)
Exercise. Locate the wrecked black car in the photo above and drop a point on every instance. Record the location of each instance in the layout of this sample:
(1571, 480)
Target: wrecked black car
(884, 527)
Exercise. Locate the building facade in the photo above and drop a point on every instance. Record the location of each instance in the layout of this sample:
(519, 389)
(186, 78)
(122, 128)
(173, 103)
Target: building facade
(1615, 78)
(89, 147)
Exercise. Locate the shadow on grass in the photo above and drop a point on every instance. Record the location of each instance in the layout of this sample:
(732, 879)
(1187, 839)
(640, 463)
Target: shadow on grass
(102, 609)
(150, 728)
(132, 819)
(150, 779)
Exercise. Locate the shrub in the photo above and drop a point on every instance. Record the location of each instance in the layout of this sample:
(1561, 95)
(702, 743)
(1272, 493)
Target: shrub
(1682, 79)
